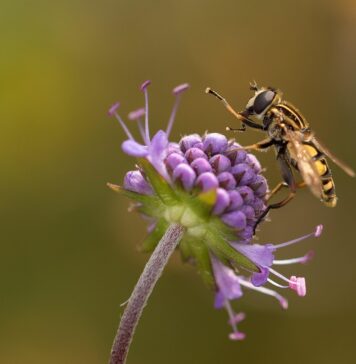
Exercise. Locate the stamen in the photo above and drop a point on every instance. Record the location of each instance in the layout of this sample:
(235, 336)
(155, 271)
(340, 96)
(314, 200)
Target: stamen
(316, 234)
(234, 319)
(145, 85)
(113, 112)
(231, 314)
(144, 89)
(177, 91)
(180, 88)
(304, 259)
(298, 284)
(318, 230)
(281, 276)
(238, 317)
(283, 301)
(137, 115)
(113, 108)
(237, 336)
(276, 284)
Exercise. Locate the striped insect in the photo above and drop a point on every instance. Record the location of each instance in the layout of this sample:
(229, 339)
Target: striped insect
(295, 145)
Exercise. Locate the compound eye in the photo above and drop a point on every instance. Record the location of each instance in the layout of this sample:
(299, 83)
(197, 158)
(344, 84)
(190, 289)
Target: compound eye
(262, 101)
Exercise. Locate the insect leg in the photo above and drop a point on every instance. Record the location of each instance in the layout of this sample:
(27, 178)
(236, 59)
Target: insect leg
(235, 130)
(285, 118)
(280, 185)
(263, 144)
(289, 181)
(244, 119)
(276, 189)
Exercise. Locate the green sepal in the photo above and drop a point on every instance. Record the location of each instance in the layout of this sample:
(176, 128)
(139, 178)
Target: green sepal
(155, 236)
(203, 261)
(161, 187)
(203, 203)
(149, 205)
(217, 227)
(186, 252)
(225, 252)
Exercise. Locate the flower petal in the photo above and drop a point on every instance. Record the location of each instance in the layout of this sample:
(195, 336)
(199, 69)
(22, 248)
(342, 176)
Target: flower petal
(259, 279)
(228, 283)
(158, 152)
(134, 149)
(135, 182)
(261, 255)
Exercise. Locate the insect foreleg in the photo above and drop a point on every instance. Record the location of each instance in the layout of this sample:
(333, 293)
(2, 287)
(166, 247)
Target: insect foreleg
(240, 116)
(263, 144)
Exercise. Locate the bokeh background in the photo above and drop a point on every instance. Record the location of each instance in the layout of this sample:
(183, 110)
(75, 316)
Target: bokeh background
(68, 253)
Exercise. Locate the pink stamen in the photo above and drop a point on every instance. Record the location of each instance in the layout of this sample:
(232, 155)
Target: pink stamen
(304, 259)
(308, 257)
(113, 108)
(234, 319)
(316, 234)
(318, 230)
(276, 284)
(145, 85)
(177, 91)
(298, 284)
(284, 302)
(113, 112)
(137, 115)
(281, 276)
(181, 88)
(238, 317)
(267, 291)
(237, 336)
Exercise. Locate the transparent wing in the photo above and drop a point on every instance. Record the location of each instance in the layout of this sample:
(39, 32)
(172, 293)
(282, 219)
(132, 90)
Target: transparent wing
(306, 165)
(336, 160)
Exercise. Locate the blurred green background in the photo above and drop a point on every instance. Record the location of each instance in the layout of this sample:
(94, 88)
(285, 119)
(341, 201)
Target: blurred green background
(68, 248)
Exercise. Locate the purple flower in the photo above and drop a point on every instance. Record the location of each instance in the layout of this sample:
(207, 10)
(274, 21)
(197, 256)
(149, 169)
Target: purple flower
(220, 163)
(214, 143)
(134, 181)
(199, 164)
(229, 284)
(184, 175)
(189, 141)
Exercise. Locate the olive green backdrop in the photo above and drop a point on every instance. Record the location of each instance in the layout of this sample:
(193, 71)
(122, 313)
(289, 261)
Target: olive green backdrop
(68, 253)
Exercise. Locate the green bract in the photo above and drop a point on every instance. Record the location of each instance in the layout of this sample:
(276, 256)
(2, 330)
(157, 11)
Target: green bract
(205, 232)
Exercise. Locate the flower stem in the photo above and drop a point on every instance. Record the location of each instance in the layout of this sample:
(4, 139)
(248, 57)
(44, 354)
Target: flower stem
(142, 291)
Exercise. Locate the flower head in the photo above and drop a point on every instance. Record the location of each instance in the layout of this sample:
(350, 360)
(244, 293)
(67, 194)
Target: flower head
(216, 191)
(196, 165)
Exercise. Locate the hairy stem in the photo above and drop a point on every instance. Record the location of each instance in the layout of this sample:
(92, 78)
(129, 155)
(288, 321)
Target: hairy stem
(142, 291)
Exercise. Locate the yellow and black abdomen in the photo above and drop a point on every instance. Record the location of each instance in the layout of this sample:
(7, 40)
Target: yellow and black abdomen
(328, 194)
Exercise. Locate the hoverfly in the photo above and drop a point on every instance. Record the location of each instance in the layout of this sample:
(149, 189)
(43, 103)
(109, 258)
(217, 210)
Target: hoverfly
(295, 145)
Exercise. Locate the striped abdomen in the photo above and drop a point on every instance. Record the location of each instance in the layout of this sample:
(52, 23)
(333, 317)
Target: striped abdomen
(328, 194)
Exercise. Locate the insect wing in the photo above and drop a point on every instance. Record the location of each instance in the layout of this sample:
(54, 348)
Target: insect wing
(306, 165)
(336, 160)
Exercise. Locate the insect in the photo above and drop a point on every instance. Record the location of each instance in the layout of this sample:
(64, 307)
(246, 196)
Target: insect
(294, 142)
